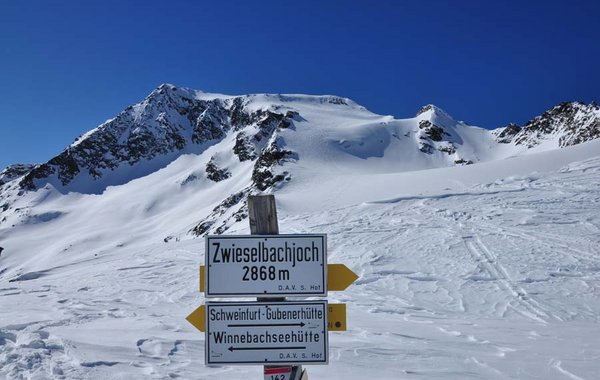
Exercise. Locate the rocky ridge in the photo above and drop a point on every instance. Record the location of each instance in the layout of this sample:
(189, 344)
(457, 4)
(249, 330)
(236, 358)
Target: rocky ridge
(570, 123)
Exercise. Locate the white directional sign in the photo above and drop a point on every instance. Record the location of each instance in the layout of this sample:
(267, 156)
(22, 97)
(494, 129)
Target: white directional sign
(266, 332)
(266, 265)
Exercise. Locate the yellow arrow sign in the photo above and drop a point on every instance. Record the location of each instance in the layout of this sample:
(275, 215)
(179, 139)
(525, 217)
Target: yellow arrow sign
(198, 318)
(339, 277)
(336, 317)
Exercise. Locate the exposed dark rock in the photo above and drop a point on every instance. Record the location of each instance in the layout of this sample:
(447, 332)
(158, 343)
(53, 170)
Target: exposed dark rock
(13, 172)
(337, 100)
(202, 228)
(590, 132)
(447, 148)
(241, 214)
(239, 117)
(263, 176)
(38, 172)
(269, 121)
(243, 148)
(67, 166)
(434, 132)
(231, 201)
(214, 173)
(462, 161)
(209, 124)
(273, 154)
(425, 148)
(508, 133)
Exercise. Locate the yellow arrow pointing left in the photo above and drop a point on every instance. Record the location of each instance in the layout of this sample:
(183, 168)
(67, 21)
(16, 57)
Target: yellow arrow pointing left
(198, 318)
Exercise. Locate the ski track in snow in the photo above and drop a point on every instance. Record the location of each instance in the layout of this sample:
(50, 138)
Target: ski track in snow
(499, 283)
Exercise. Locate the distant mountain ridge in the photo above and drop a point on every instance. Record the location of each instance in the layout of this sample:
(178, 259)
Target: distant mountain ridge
(571, 122)
(172, 119)
(256, 143)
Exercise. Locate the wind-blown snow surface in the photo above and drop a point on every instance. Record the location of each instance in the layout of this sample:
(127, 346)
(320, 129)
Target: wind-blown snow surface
(484, 271)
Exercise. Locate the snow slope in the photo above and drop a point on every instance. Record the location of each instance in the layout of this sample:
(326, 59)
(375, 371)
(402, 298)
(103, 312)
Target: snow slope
(497, 278)
(489, 270)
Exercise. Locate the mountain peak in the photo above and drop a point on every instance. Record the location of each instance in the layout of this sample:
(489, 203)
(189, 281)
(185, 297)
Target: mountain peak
(436, 115)
(434, 110)
(565, 107)
(170, 90)
(164, 88)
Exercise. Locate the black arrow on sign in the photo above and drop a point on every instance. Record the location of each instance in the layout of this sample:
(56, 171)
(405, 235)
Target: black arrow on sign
(301, 324)
(265, 348)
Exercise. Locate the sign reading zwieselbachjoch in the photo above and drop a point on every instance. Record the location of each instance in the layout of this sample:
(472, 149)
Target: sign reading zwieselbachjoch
(272, 330)
(259, 265)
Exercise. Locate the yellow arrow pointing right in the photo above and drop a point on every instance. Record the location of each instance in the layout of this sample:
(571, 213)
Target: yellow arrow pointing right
(339, 277)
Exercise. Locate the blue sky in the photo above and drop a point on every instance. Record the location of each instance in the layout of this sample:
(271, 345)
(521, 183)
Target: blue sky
(66, 66)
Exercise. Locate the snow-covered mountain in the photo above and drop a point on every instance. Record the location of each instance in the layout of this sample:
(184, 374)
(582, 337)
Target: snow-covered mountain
(258, 142)
(487, 270)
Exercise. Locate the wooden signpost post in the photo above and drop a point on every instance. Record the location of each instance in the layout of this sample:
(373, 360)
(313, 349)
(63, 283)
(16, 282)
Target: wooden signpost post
(280, 334)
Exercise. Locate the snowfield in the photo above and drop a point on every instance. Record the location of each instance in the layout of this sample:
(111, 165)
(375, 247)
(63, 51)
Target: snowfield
(485, 271)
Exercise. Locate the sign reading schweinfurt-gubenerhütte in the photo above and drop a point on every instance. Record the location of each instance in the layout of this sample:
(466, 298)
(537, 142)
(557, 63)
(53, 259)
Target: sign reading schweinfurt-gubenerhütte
(266, 265)
(266, 332)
